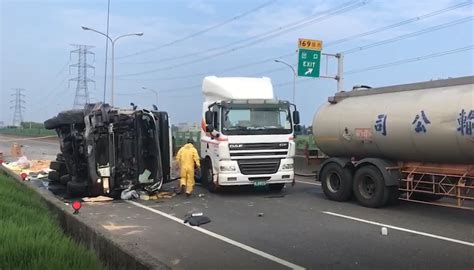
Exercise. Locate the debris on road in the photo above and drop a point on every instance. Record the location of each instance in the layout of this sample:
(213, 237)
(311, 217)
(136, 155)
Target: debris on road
(128, 194)
(97, 199)
(196, 220)
(384, 231)
(34, 169)
(201, 195)
(260, 214)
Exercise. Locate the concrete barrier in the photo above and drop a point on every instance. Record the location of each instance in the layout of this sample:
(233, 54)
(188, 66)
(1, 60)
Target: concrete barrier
(111, 252)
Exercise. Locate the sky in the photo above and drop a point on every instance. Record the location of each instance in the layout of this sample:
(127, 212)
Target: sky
(242, 39)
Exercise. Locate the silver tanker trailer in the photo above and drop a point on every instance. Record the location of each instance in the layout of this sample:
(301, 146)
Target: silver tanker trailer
(413, 142)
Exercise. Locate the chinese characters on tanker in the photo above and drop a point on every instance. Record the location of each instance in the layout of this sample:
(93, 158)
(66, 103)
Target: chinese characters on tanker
(381, 124)
(420, 122)
(466, 122)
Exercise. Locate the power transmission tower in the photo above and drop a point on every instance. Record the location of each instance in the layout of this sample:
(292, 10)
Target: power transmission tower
(82, 92)
(18, 101)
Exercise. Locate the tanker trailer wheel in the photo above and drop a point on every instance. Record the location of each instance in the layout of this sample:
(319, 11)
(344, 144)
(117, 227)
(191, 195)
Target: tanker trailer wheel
(369, 187)
(336, 182)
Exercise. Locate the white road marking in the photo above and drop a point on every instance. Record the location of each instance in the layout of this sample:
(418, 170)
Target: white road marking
(403, 229)
(308, 183)
(222, 238)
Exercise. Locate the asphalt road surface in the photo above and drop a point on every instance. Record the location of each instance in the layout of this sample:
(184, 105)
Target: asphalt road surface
(297, 228)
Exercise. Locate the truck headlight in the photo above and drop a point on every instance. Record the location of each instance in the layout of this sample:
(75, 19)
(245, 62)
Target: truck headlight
(287, 167)
(227, 168)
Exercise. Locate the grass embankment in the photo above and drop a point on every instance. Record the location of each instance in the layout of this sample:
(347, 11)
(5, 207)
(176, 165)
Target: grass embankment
(30, 237)
(30, 132)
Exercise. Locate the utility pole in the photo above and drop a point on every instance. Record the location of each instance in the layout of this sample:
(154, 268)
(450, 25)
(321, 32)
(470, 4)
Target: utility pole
(82, 91)
(18, 101)
(112, 96)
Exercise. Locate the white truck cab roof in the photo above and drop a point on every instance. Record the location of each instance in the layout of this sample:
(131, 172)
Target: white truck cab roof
(231, 88)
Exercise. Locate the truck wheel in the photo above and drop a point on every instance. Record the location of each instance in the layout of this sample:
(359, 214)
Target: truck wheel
(369, 187)
(60, 167)
(65, 179)
(76, 190)
(276, 187)
(336, 182)
(207, 176)
(53, 176)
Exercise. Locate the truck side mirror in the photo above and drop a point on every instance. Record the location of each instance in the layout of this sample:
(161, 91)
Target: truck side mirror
(296, 117)
(209, 118)
(297, 128)
(209, 128)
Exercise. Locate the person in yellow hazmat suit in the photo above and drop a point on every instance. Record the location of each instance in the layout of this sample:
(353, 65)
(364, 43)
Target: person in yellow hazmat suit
(187, 158)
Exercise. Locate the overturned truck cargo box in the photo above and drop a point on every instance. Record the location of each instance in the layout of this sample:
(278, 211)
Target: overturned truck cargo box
(105, 150)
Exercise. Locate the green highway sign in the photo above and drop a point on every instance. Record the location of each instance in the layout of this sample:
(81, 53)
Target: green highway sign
(308, 63)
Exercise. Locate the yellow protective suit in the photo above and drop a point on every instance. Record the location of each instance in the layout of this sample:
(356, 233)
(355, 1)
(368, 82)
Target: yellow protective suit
(187, 157)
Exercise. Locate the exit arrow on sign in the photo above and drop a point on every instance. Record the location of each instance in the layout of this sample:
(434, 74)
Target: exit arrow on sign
(309, 63)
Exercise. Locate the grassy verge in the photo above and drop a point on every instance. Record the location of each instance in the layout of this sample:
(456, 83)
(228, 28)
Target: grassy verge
(30, 236)
(31, 132)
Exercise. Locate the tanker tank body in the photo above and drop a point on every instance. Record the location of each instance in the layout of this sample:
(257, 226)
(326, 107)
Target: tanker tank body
(413, 141)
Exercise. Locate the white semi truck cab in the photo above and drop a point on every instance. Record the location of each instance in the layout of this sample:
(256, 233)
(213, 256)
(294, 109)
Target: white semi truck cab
(247, 136)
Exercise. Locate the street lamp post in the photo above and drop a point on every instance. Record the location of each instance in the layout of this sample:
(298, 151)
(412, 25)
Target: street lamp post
(294, 75)
(154, 91)
(113, 56)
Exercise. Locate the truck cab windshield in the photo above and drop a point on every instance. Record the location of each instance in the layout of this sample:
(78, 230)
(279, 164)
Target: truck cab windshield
(254, 119)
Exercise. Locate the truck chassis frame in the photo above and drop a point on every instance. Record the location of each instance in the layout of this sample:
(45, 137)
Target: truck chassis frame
(456, 183)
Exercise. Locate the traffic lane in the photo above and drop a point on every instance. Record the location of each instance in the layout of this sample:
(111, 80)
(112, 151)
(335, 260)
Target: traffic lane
(167, 241)
(448, 222)
(297, 230)
(445, 221)
(33, 148)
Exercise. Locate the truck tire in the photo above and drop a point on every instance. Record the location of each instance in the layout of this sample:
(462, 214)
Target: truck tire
(276, 187)
(369, 187)
(207, 176)
(65, 118)
(60, 167)
(336, 182)
(53, 176)
(52, 123)
(71, 117)
(76, 190)
(65, 179)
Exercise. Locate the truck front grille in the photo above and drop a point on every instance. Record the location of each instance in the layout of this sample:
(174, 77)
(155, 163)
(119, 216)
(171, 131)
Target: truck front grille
(258, 146)
(259, 166)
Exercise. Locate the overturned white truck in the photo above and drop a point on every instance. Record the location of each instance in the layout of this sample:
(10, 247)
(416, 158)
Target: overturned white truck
(413, 141)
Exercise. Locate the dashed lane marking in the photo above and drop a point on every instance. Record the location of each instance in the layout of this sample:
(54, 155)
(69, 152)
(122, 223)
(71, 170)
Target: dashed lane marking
(403, 229)
(221, 237)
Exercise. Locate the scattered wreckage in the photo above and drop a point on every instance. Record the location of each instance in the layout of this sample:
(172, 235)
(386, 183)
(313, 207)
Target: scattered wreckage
(105, 150)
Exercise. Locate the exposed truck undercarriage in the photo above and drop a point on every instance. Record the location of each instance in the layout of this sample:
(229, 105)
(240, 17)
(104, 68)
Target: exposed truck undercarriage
(105, 150)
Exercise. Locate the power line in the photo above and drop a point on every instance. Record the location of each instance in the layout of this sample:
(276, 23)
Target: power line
(247, 39)
(390, 40)
(329, 44)
(405, 36)
(409, 60)
(203, 31)
(398, 24)
(265, 38)
(390, 64)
